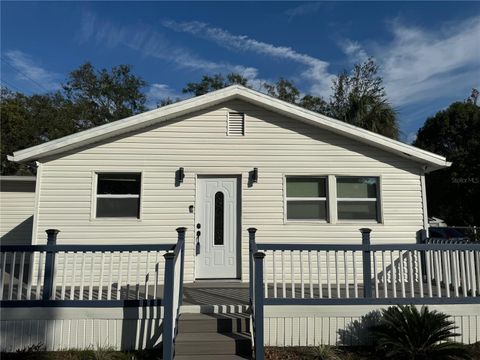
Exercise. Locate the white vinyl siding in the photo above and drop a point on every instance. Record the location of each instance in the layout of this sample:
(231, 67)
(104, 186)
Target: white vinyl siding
(276, 145)
(17, 200)
(236, 123)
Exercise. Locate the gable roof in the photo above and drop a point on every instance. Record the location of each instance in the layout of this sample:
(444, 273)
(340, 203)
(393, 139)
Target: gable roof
(430, 160)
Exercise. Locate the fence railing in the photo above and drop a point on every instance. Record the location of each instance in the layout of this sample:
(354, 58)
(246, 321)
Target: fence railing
(82, 272)
(96, 275)
(323, 274)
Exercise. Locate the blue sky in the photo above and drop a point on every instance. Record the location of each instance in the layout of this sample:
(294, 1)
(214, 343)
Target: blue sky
(429, 52)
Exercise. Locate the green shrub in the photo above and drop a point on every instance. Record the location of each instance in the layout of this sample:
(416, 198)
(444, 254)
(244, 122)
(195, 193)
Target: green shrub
(404, 332)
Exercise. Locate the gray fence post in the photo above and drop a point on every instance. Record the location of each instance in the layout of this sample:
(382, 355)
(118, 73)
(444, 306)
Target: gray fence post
(367, 266)
(168, 306)
(251, 238)
(49, 273)
(181, 238)
(259, 296)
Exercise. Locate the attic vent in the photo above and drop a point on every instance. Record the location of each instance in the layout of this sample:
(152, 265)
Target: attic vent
(236, 123)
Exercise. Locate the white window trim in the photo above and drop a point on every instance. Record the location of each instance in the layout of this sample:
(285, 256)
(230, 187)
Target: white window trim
(311, 199)
(93, 208)
(377, 199)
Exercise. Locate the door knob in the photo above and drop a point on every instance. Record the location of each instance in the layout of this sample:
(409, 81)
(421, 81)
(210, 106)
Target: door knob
(199, 226)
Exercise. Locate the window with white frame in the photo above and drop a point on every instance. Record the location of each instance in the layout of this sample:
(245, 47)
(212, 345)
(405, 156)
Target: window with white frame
(306, 198)
(118, 195)
(358, 198)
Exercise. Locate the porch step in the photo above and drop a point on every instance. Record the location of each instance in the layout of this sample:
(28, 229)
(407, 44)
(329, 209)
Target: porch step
(213, 323)
(211, 357)
(213, 336)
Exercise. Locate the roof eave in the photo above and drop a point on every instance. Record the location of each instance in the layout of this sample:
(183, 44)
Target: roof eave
(119, 127)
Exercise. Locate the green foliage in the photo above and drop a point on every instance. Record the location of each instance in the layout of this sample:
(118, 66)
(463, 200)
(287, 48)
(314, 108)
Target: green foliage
(453, 193)
(212, 83)
(406, 333)
(358, 332)
(100, 97)
(359, 99)
(283, 90)
(31, 120)
(325, 352)
(89, 98)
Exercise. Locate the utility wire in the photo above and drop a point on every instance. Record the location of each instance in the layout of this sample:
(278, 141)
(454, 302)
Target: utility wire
(25, 75)
(11, 86)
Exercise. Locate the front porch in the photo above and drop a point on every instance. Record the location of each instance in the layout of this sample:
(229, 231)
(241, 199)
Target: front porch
(292, 292)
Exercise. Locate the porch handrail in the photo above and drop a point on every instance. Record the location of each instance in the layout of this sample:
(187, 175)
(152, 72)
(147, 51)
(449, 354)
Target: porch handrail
(82, 274)
(256, 297)
(173, 294)
(334, 274)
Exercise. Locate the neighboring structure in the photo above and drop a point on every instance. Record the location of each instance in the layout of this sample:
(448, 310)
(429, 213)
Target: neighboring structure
(17, 201)
(295, 175)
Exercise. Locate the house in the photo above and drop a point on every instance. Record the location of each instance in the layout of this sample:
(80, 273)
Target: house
(271, 195)
(293, 174)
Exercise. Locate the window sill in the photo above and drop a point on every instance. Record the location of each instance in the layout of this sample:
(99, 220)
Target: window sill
(310, 222)
(128, 219)
(359, 222)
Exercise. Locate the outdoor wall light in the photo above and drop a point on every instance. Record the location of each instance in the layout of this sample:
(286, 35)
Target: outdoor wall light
(179, 176)
(255, 175)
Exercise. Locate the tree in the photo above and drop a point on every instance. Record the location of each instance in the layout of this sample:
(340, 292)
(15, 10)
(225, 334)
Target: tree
(453, 193)
(89, 98)
(29, 121)
(284, 90)
(212, 83)
(359, 99)
(100, 96)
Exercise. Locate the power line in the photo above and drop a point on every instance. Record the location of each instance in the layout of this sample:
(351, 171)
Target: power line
(12, 86)
(25, 75)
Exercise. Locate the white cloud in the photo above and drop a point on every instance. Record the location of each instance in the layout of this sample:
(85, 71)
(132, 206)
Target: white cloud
(30, 72)
(303, 9)
(411, 137)
(316, 72)
(153, 44)
(420, 65)
(157, 92)
(353, 50)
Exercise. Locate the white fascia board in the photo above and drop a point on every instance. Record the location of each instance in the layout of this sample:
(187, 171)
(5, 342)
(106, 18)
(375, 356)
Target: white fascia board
(346, 129)
(123, 126)
(431, 160)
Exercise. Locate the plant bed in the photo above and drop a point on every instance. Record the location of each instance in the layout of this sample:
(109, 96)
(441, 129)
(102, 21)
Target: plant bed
(35, 353)
(339, 353)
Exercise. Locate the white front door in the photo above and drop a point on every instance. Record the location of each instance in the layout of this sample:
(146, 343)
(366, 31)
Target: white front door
(216, 228)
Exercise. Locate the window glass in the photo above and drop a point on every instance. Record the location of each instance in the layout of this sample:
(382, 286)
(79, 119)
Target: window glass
(357, 187)
(357, 198)
(118, 184)
(118, 207)
(357, 210)
(118, 195)
(306, 198)
(306, 210)
(306, 187)
(219, 218)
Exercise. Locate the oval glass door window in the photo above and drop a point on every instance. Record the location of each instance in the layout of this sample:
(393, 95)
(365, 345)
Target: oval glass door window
(219, 218)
